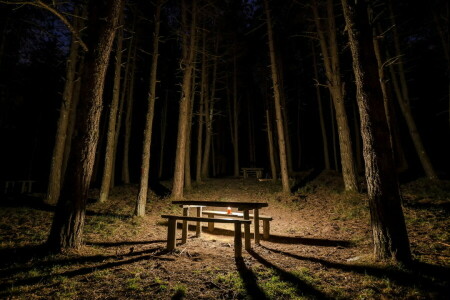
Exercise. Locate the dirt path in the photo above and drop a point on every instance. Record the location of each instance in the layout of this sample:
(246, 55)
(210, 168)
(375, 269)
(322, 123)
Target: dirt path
(319, 248)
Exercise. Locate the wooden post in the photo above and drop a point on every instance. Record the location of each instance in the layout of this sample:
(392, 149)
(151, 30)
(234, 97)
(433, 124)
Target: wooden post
(185, 226)
(171, 230)
(266, 229)
(210, 224)
(237, 240)
(198, 231)
(256, 220)
(247, 230)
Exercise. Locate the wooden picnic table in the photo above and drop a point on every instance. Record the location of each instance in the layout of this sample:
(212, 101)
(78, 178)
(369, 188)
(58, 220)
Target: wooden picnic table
(245, 207)
(257, 171)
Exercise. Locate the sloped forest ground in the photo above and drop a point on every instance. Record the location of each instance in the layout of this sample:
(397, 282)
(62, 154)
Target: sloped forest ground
(320, 248)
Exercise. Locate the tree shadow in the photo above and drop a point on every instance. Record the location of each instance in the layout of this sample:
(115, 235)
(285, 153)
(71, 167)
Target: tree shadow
(280, 239)
(123, 243)
(428, 277)
(301, 182)
(23, 200)
(153, 253)
(160, 190)
(303, 288)
(249, 279)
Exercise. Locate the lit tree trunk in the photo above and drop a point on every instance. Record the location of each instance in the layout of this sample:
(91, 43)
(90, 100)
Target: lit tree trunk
(111, 133)
(326, 156)
(187, 62)
(278, 113)
(56, 167)
(187, 163)
(333, 130)
(72, 119)
(358, 147)
(146, 145)
(68, 221)
(390, 237)
(128, 120)
(273, 167)
(330, 56)
(399, 155)
(163, 134)
(403, 100)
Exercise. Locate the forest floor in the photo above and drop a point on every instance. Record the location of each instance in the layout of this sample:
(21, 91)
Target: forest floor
(320, 247)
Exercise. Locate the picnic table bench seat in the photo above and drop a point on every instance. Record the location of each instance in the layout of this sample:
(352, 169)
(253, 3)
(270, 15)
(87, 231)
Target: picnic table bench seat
(171, 230)
(265, 219)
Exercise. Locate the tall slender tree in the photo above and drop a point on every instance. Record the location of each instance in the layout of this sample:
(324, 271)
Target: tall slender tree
(68, 222)
(388, 225)
(146, 144)
(330, 56)
(187, 62)
(277, 101)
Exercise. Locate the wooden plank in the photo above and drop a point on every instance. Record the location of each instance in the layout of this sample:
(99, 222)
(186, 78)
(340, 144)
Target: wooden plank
(185, 226)
(239, 205)
(171, 230)
(198, 229)
(237, 240)
(234, 214)
(266, 229)
(256, 223)
(247, 231)
(210, 224)
(202, 219)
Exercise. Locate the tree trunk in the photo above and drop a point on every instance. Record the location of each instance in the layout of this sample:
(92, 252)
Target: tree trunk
(111, 133)
(146, 145)
(187, 162)
(235, 121)
(68, 222)
(388, 225)
(335, 85)
(56, 167)
(128, 119)
(163, 134)
(404, 102)
(187, 62)
(278, 113)
(326, 156)
(273, 167)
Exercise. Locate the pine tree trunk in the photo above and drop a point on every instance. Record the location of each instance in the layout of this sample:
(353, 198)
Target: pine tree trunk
(187, 62)
(390, 237)
(146, 145)
(56, 167)
(405, 107)
(326, 156)
(68, 222)
(187, 163)
(235, 133)
(273, 167)
(358, 147)
(278, 113)
(163, 134)
(332, 71)
(128, 120)
(111, 133)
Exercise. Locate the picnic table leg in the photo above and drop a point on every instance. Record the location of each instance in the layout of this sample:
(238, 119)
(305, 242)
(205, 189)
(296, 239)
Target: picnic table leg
(198, 230)
(171, 230)
(210, 224)
(247, 230)
(266, 229)
(185, 226)
(237, 240)
(256, 220)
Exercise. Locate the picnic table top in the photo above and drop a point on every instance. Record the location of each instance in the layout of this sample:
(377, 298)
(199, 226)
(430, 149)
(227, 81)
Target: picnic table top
(239, 205)
(250, 169)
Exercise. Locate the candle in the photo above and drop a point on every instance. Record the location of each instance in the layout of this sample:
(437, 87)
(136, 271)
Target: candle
(229, 210)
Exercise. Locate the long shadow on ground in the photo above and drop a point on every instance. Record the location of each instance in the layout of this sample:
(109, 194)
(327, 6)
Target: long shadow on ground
(430, 278)
(250, 281)
(303, 288)
(153, 253)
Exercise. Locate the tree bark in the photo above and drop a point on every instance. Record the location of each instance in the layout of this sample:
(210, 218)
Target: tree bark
(187, 63)
(388, 225)
(273, 167)
(404, 102)
(335, 85)
(56, 175)
(68, 222)
(278, 113)
(146, 145)
(111, 133)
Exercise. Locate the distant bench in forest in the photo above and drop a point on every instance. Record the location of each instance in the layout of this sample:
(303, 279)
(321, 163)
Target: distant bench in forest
(25, 186)
(257, 172)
